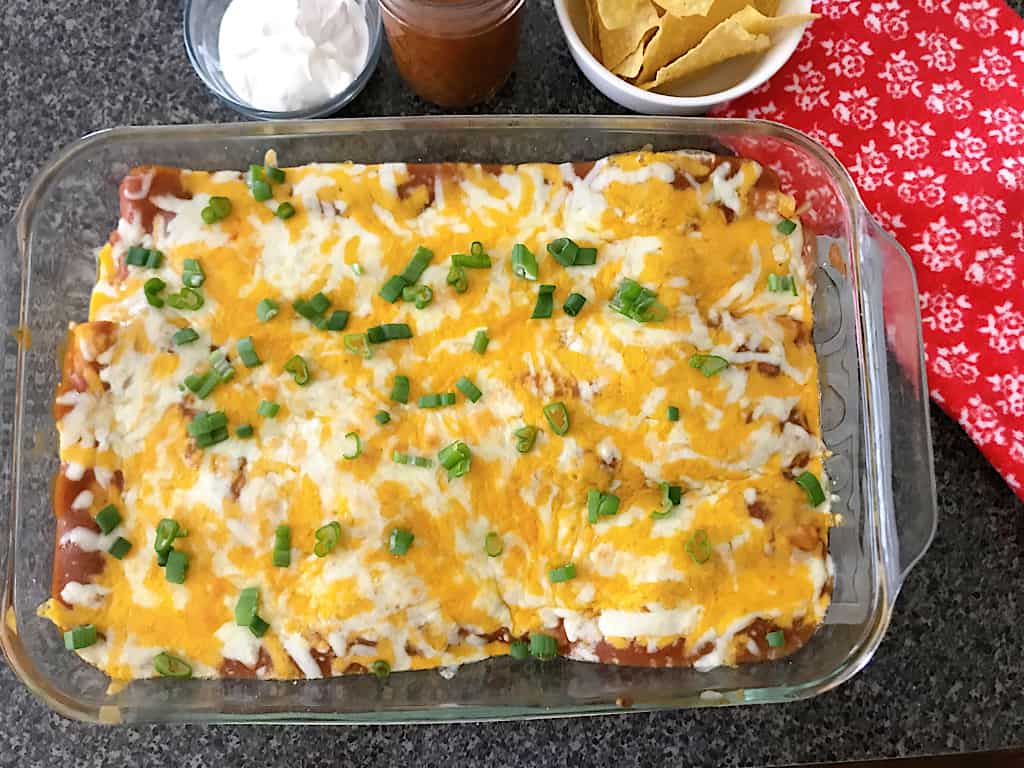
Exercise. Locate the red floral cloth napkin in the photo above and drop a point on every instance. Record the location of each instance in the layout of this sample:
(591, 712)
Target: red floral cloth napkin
(923, 102)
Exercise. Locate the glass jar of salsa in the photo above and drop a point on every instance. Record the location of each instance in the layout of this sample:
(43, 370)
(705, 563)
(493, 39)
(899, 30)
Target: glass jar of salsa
(454, 53)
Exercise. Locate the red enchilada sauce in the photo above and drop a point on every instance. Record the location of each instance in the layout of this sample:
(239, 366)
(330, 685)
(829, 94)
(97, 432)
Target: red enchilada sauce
(454, 53)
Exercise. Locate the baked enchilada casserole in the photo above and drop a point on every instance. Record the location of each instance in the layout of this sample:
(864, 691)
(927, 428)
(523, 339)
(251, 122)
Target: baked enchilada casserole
(362, 418)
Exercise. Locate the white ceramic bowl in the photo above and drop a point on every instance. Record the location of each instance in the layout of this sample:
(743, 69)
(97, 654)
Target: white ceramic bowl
(694, 96)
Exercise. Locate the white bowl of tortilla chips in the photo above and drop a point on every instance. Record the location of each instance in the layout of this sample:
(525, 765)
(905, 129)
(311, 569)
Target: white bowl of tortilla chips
(681, 57)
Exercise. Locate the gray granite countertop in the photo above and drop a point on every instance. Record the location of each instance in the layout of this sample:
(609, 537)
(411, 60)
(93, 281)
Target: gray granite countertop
(947, 677)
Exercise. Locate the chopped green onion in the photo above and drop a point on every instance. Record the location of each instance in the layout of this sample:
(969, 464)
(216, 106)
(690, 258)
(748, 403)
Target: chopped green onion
(421, 294)
(247, 352)
(436, 400)
(388, 332)
(327, 537)
(80, 637)
(601, 505)
(192, 273)
(608, 506)
(562, 573)
(171, 666)
(357, 344)
(255, 174)
(167, 530)
(786, 226)
(299, 369)
(177, 566)
(267, 309)
(357, 269)
(285, 211)
(543, 647)
(776, 639)
(585, 257)
(338, 320)
(273, 175)
(519, 650)
(220, 365)
(407, 458)
(259, 627)
(152, 289)
(319, 303)
(268, 409)
(120, 548)
(457, 279)
(184, 336)
(709, 365)
(476, 248)
(400, 389)
(564, 250)
(558, 417)
(381, 669)
(382, 417)
(136, 256)
(208, 215)
(282, 554)
(673, 413)
(108, 519)
(480, 342)
(212, 438)
(186, 298)
(261, 191)
(399, 541)
(281, 558)
(357, 450)
(305, 308)
(417, 264)
(815, 495)
(201, 385)
(244, 431)
(671, 495)
(456, 458)
(469, 389)
(493, 545)
(154, 258)
(637, 302)
(545, 302)
(525, 438)
(698, 547)
(247, 606)
(392, 289)
(471, 261)
(221, 206)
(782, 284)
(524, 263)
(574, 304)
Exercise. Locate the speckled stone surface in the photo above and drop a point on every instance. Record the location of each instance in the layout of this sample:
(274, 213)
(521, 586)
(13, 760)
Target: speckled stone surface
(940, 682)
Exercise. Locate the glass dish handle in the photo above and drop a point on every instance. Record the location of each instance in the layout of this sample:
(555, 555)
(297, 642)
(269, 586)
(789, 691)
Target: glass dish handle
(10, 265)
(904, 404)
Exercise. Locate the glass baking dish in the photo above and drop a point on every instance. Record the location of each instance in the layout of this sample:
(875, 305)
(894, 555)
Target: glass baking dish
(874, 418)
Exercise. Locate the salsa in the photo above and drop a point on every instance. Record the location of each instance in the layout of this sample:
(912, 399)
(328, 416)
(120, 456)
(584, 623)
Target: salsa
(454, 53)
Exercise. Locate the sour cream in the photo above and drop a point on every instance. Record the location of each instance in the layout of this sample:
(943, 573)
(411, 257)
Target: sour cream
(283, 55)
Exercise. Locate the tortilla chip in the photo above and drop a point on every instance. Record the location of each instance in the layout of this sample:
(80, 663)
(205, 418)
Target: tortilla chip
(615, 14)
(676, 36)
(687, 7)
(618, 44)
(630, 66)
(744, 32)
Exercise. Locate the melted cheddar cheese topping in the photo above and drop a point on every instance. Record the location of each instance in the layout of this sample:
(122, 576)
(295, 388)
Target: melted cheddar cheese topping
(702, 234)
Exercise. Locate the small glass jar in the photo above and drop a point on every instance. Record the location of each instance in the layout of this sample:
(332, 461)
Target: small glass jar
(456, 53)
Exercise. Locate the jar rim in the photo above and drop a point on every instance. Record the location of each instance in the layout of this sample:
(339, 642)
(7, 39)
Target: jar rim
(453, 18)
